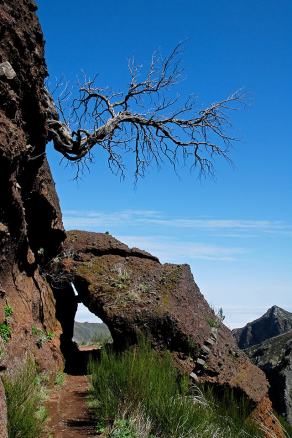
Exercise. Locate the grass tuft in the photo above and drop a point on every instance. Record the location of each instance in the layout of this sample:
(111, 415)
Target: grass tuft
(140, 394)
(60, 378)
(26, 413)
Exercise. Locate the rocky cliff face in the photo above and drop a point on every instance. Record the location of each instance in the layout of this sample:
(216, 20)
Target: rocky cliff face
(273, 355)
(30, 222)
(273, 323)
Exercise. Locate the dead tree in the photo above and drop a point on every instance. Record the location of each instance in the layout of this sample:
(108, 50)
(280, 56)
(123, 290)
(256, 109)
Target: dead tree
(146, 120)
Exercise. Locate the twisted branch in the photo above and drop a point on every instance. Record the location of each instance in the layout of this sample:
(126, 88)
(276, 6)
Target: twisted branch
(145, 121)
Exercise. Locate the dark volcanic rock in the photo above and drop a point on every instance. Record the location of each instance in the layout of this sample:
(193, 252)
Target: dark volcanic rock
(273, 323)
(133, 293)
(273, 355)
(30, 222)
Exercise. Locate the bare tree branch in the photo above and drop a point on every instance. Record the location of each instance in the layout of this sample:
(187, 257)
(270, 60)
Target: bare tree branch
(146, 120)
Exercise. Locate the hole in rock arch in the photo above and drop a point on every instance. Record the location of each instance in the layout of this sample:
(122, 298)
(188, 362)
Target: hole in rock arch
(89, 330)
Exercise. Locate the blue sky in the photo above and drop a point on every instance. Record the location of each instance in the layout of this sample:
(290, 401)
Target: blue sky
(235, 230)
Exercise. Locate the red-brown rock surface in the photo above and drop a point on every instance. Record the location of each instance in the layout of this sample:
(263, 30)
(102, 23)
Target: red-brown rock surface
(133, 293)
(30, 222)
(265, 416)
(3, 413)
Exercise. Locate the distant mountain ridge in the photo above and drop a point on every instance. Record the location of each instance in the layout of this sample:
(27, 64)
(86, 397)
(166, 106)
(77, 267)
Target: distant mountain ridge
(90, 332)
(268, 343)
(274, 322)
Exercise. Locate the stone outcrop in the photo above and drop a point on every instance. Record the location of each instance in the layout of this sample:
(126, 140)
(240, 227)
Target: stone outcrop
(273, 323)
(273, 355)
(30, 221)
(133, 293)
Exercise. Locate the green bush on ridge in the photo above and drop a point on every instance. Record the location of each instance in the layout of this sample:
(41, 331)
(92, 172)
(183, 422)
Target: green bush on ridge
(141, 393)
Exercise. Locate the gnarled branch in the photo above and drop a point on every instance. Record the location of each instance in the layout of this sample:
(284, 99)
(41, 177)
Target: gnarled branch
(146, 121)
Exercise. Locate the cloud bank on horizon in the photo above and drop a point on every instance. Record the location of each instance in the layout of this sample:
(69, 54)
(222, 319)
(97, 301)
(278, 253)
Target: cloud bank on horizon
(77, 218)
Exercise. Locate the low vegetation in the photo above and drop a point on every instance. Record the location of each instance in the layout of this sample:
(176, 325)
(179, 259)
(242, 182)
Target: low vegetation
(25, 409)
(60, 378)
(5, 327)
(5, 331)
(41, 335)
(140, 394)
(97, 334)
(286, 427)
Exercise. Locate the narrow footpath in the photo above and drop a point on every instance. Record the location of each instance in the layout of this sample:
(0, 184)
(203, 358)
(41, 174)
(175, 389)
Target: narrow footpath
(69, 416)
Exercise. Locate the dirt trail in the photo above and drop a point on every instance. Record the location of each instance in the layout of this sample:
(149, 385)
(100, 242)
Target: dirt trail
(69, 416)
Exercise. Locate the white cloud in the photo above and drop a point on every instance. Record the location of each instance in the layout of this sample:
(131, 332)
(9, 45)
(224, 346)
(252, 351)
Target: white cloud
(76, 218)
(149, 228)
(171, 250)
(228, 227)
(229, 224)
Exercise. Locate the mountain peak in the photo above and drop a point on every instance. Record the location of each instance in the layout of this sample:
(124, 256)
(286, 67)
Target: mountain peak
(274, 322)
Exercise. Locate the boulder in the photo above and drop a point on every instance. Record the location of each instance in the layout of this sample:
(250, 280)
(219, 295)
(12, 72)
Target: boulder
(133, 293)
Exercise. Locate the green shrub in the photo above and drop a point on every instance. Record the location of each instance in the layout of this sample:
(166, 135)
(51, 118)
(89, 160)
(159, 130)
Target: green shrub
(50, 335)
(60, 378)
(122, 429)
(146, 379)
(100, 339)
(8, 311)
(213, 322)
(5, 331)
(26, 413)
(41, 335)
(218, 319)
